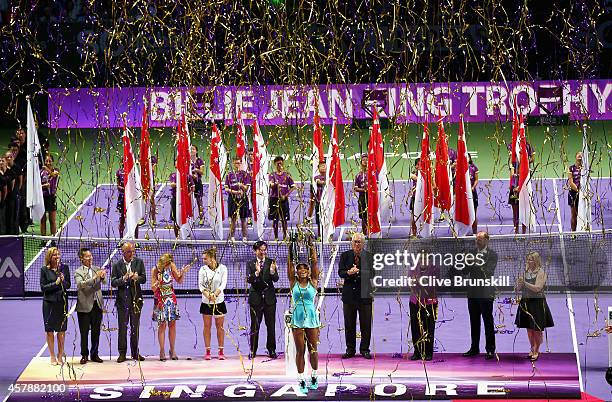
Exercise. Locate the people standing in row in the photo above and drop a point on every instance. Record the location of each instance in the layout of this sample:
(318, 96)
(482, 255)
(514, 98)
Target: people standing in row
(361, 188)
(573, 182)
(473, 171)
(127, 276)
(54, 283)
(423, 307)
(316, 192)
(354, 269)
(13, 183)
(262, 273)
(165, 311)
(212, 280)
(173, 200)
(49, 177)
(90, 304)
(305, 321)
(414, 176)
(480, 299)
(533, 312)
(281, 186)
(197, 170)
(237, 185)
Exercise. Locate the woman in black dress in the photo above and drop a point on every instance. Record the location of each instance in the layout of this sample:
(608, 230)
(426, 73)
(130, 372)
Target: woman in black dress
(533, 312)
(54, 281)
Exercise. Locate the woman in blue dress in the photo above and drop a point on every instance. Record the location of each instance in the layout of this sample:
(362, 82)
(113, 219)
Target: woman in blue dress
(305, 322)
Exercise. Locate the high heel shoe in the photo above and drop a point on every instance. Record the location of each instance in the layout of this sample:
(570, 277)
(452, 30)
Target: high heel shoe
(162, 357)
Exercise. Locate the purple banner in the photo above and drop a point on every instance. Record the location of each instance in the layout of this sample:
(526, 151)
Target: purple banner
(295, 105)
(11, 267)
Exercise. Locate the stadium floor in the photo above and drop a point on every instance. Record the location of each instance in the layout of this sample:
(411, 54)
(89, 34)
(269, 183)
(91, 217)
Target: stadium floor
(389, 338)
(97, 218)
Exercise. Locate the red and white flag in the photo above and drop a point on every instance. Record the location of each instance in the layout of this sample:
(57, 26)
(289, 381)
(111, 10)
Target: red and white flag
(514, 148)
(332, 200)
(260, 180)
(423, 196)
(526, 210)
(218, 160)
(133, 207)
(317, 146)
(464, 200)
(373, 220)
(241, 141)
(184, 205)
(443, 196)
(146, 167)
(380, 202)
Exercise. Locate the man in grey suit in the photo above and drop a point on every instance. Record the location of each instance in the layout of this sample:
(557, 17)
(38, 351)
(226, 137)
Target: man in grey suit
(261, 274)
(127, 276)
(90, 304)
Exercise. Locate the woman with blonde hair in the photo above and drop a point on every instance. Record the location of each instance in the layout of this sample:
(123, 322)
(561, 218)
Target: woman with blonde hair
(212, 280)
(166, 308)
(533, 312)
(54, 282)
(305, 322)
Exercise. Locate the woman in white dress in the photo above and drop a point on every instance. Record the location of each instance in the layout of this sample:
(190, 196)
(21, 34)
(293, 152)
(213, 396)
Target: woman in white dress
(212, 280)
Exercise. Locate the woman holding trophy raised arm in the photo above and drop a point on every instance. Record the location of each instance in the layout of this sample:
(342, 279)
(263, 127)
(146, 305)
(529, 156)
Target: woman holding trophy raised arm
(305, 323)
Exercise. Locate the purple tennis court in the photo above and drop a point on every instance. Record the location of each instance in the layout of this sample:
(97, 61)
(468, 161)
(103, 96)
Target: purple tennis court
(572, 363)
(98, 216)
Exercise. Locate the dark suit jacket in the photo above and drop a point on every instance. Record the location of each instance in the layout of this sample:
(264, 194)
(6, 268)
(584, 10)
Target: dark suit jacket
(128, 291)
(481, 272)
(262, 286)
(51, 291)
(351, 290)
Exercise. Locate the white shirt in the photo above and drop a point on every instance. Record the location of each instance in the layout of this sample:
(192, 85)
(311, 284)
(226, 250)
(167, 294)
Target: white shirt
(212, 281)
(128, 265)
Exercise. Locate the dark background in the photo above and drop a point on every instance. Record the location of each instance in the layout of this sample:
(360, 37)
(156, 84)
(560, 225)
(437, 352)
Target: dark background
(79, 43)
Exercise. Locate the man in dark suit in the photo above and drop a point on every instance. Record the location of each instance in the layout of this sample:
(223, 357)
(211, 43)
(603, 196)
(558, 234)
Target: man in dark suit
(480, 299)
(127, 276)
(90, 304)
(354, 301)
(261, 274)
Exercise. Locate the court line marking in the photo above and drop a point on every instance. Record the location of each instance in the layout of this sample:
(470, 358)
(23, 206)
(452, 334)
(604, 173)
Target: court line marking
(570, 304)
(83, 204)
